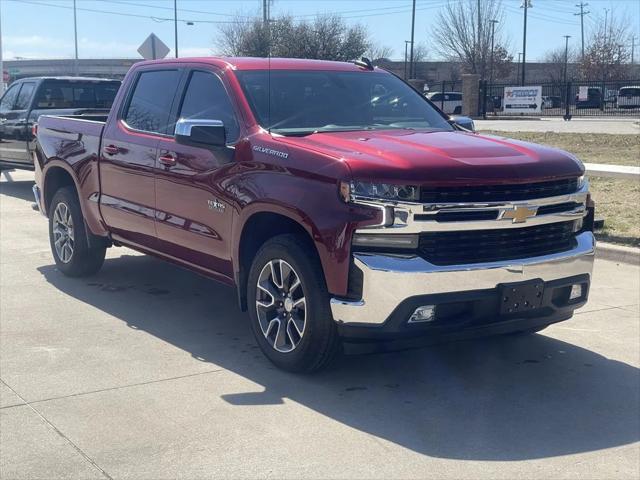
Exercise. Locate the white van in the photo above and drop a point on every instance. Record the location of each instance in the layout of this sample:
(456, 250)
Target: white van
(629, 97)
(451, 103)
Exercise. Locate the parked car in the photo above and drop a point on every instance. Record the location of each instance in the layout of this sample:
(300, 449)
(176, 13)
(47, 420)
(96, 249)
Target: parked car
(629, 97)
(339, 220)
(28, 98)
(448, 102)
(594, 99)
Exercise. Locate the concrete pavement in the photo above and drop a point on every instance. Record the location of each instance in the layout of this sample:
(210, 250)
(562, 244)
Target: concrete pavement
(626, 126)
(149, 371)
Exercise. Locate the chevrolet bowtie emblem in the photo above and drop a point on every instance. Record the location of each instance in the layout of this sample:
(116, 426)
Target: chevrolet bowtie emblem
(519, 213)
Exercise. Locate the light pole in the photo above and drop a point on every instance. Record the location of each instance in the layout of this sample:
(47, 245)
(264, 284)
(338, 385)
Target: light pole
(526, 4)
(413, 25)
(518, 70)
(406, 45)
(566, 55)
(175, 25)
(493, 31)
(75, 39)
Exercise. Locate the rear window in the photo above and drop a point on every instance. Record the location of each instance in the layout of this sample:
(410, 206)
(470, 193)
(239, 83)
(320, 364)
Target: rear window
(150, 104)
(58, 94)
(630, 92)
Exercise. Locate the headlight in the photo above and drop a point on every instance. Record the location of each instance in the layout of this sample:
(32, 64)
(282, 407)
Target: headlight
(382, 191)
(581, 181)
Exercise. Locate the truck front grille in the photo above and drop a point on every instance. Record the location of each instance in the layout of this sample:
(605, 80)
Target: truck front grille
(497, 193)
(476, 246)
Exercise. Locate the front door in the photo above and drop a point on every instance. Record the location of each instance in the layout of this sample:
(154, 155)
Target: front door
(15, 131)
(193, 210)
(128, 157)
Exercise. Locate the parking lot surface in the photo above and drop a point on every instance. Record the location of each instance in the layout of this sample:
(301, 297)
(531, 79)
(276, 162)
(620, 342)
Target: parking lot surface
(149, 371)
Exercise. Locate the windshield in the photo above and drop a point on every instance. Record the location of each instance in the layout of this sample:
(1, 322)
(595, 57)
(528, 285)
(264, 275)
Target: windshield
(304, 102)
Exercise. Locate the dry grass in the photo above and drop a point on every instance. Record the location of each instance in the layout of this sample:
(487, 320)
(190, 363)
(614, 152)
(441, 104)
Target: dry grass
(617, 201)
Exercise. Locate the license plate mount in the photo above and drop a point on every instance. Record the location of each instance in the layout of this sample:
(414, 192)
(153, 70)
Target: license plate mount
(521, 297)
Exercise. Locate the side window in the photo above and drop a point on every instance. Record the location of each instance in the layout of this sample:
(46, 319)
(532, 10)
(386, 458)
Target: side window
(207, 99)
(436, 97)
(150, 104)
(9, 98)
(25, 96)
(456, 96)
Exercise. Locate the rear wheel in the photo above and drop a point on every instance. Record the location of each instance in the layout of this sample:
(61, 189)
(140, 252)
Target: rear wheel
(73, 254)
(289, 306)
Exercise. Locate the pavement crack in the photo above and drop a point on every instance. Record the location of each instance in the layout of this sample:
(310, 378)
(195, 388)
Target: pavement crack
(60, 433)
(119, 387)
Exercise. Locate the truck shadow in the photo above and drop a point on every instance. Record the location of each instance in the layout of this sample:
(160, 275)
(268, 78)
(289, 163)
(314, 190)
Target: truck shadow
(20, 189)
(508, 398)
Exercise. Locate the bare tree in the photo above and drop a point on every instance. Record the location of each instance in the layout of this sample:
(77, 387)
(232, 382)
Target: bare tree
(607, 53)
(554, 60)
(378, 53)
(458, 38)
(420, 52)
(326, 37)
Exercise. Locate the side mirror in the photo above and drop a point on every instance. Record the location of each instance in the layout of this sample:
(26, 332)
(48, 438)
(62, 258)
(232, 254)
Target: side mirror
(465, 123)
(200, 133)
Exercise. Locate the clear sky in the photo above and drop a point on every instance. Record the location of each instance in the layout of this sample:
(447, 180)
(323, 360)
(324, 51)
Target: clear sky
(44, 28)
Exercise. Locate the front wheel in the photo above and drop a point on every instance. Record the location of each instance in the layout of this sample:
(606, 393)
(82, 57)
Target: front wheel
(289, 306)
(73, 254)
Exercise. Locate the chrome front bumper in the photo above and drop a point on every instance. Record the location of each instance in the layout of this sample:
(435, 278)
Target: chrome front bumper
(390, 279)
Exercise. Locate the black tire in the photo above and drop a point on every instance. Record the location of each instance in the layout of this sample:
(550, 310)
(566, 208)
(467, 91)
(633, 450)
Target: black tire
(84, 259)
(320, 343)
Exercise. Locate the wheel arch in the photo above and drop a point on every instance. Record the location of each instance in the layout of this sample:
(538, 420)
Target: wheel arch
(257, 229)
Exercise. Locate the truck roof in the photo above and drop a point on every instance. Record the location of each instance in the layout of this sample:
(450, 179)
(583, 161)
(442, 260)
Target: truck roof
(261, 63)
(68, 78)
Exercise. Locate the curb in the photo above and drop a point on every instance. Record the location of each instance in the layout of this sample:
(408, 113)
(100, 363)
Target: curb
(618, 253)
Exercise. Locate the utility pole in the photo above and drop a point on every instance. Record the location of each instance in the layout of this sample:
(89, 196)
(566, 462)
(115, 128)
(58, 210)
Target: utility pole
(75, 40)
(518, 68)
(566, 56)
(1, 64)
(582, 14)
(526, 4)
(413, 26)
(265, 15)
(633, 47)
(493, 31)
(479, 45)
(175, 24)
(406, 45)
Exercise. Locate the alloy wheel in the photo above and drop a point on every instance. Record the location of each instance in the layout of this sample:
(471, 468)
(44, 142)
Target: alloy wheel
(63, 237)
(281, 305)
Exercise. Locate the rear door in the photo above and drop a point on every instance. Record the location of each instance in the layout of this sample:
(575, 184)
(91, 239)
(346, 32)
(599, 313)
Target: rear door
(193, 210)
(128, 155)
(14, 129)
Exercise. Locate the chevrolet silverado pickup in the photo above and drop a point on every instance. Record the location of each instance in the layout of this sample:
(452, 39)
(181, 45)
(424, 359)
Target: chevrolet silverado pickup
(28, 98)
(342, 205)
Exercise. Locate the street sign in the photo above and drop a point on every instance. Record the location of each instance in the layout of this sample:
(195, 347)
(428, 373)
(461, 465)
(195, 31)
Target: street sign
(522, 99)
(583, 94)
(153, 48)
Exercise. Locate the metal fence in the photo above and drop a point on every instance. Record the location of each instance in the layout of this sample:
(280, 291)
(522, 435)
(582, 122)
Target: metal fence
(607, 99)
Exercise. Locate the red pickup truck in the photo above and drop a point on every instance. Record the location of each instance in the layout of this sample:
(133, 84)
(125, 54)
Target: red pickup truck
(345, 208)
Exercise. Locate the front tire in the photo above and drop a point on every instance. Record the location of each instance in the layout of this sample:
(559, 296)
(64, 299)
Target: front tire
(289, 306)
(73, 254)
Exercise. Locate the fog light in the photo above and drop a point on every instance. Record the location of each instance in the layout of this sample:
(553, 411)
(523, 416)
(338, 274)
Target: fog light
(425, 313)
(576, 291)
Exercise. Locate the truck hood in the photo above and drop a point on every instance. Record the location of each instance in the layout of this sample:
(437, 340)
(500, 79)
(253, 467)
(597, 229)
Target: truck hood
(443, 158)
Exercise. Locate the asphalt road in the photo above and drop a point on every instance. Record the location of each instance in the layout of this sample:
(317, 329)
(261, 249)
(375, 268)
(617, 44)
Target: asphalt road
(149, 371)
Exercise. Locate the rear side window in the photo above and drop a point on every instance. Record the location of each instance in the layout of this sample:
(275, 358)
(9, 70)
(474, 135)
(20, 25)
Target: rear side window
(22, 103)
(207, 99)
(456, 96)
(61, 94)
(150, 104)
(9, 98)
